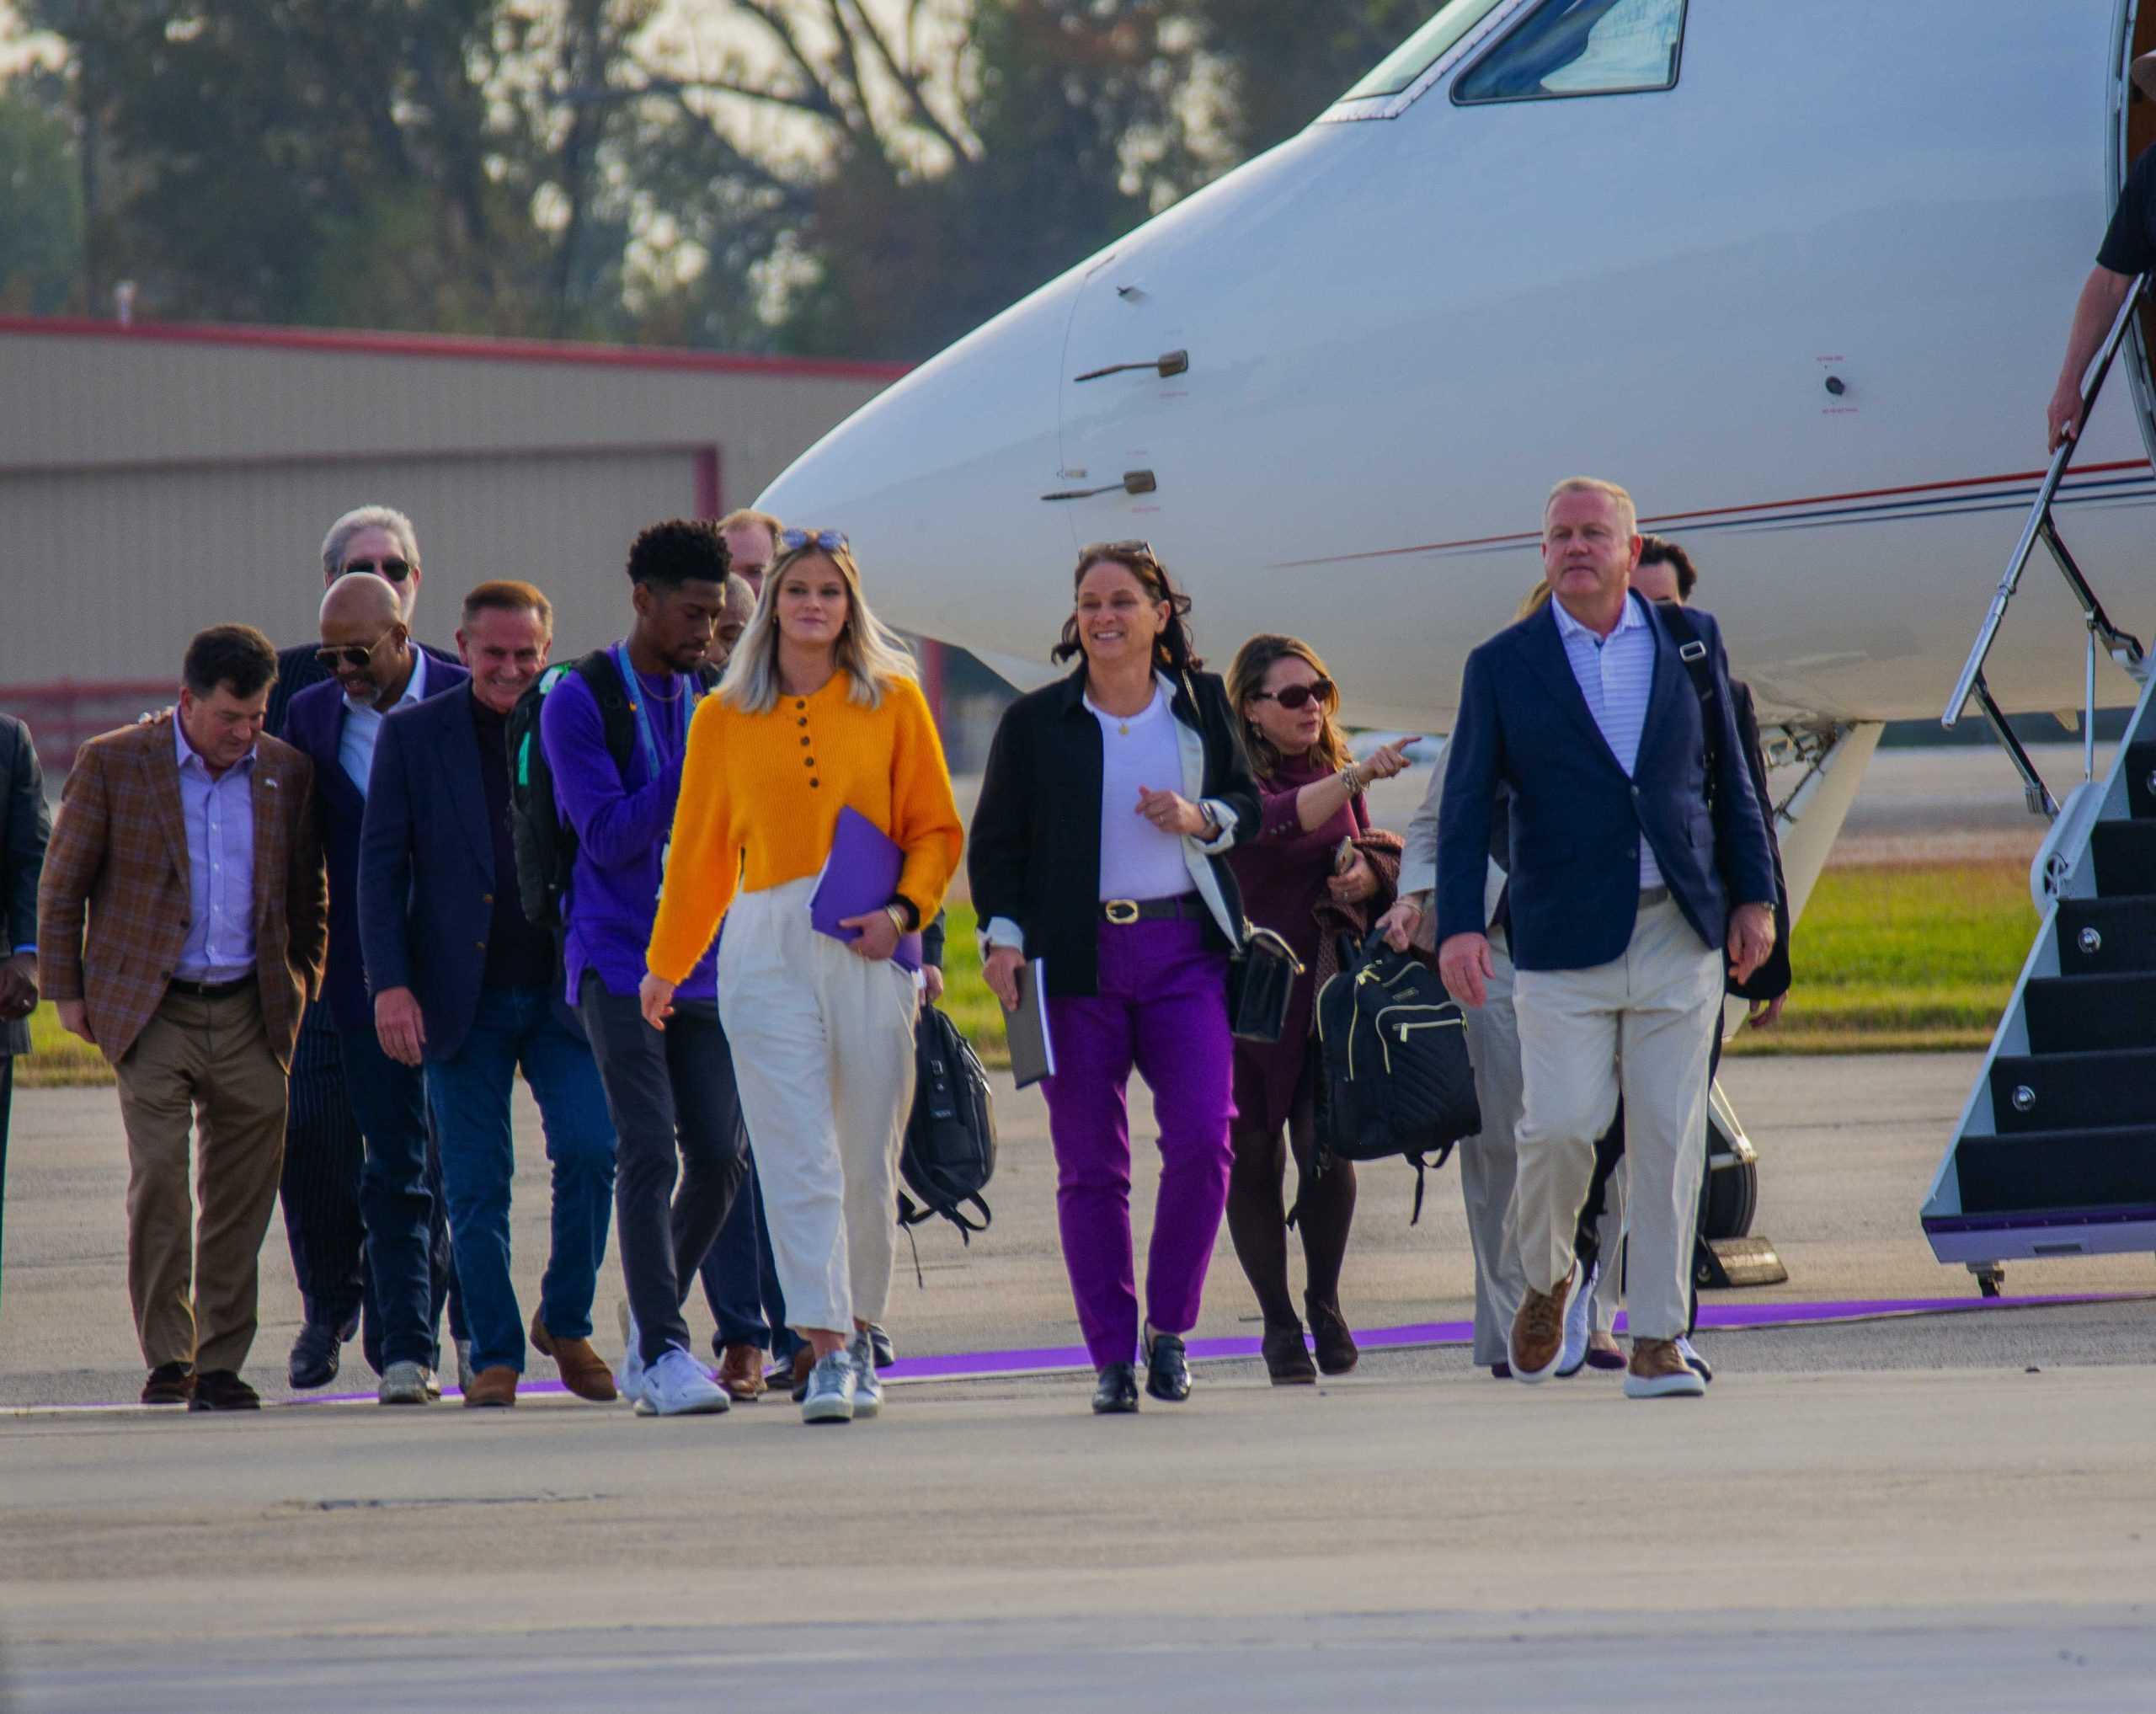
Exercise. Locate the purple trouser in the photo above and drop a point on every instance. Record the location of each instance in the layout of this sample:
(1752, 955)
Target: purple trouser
(1161, 1005)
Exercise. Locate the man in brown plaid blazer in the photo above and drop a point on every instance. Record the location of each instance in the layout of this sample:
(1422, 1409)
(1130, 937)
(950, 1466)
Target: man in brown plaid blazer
(190, 842)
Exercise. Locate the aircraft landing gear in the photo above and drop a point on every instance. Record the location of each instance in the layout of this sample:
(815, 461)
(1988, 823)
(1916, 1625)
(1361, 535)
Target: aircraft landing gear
(1991, 1277)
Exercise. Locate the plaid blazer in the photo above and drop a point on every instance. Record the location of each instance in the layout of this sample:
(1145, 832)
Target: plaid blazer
(120, 849)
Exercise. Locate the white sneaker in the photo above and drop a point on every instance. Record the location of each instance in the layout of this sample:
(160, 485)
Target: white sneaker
(628, 1379)
(1579, 1322)
(868, 1389)
(407, 1383)
(831, 1390)
(1693, 1360)
(678, 1386)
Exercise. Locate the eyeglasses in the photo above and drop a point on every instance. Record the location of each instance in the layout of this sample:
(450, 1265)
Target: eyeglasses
(827, 541)
(395, 570)
(336, 655)
(1118, 550)
(1295, 695)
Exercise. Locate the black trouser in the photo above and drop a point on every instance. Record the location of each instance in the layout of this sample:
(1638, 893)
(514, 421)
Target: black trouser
(675, 1115)
(7, 1101)
(410, 1274)
(320, 1186)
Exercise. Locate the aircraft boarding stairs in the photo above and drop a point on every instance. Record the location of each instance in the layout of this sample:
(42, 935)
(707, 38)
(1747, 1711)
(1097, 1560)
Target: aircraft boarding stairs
(2056, 1152)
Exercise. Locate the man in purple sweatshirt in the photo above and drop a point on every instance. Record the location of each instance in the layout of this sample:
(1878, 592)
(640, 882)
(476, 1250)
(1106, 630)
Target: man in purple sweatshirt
(670, 1090)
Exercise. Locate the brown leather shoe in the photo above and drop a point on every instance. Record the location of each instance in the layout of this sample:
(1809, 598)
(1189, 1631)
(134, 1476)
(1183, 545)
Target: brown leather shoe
(741, 1373)
(584, 1371)
(169, 1383)
(494, 1387)
(1658, 1370)
(1538, 1331)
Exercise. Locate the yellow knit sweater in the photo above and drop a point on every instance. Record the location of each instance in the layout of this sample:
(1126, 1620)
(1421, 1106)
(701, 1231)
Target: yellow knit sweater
(761, 796)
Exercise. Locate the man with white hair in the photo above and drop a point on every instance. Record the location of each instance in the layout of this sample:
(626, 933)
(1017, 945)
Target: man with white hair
(324, 1151)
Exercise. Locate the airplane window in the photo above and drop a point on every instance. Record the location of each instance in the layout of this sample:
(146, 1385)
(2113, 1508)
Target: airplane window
(1423, 49)
(1581, 47)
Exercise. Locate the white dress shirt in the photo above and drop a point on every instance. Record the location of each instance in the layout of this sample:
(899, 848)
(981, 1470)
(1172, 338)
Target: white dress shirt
(363, 724)
(1616, 674)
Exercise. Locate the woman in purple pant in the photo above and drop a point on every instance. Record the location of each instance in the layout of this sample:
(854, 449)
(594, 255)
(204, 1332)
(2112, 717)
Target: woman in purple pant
(1312, 860)
(1098, 848)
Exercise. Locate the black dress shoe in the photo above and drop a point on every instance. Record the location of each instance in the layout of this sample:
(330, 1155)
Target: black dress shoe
(1116, 1395)
(1336, 1345)
(222, 1390)
(169, 1383)
(1167, 1369)
(315, 1355)
(1286, 1359)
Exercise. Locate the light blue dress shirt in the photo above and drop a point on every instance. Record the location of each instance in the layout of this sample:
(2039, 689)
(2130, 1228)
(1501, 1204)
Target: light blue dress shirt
(1616, 675)
(219, 816)
(363, 725)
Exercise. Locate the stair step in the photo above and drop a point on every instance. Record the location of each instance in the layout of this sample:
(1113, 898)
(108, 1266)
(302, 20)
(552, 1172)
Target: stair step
(2071, 1014)
(2141, 777)
(2057, 1170)
(2107, 936)
(2126, 857)
(2074, 1092)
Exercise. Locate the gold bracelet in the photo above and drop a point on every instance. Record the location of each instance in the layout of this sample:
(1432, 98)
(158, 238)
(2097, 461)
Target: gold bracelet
(897, 920)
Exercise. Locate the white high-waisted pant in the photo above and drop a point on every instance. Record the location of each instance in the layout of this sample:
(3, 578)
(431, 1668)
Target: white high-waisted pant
(823, 1057)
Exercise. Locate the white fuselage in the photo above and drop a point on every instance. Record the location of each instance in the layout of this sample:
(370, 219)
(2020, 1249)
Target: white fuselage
(1401, 331)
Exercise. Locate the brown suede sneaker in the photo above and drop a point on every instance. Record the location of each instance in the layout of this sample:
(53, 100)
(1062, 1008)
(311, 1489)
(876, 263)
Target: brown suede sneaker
(1538, 1331)
(584, 1371)
(494, 1387)
(1658, 1370)
(741, 1373)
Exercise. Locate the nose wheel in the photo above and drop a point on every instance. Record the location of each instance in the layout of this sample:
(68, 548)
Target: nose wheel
(1991, 1277)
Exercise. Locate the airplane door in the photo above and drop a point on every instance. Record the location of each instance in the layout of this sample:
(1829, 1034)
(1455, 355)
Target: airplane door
(1125, 392)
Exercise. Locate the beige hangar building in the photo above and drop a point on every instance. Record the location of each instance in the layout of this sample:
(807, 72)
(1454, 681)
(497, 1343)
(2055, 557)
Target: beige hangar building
(158, 478)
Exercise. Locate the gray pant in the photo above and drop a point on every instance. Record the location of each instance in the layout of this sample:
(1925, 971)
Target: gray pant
(1486, 1163)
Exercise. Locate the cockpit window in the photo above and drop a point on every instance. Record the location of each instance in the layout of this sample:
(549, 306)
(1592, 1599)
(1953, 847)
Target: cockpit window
(1581, 47)
(1424, 49)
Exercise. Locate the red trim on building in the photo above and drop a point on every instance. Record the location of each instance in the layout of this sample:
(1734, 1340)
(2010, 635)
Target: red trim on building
(466, 347)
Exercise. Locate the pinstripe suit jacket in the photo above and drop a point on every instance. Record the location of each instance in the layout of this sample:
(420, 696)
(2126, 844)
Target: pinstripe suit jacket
(120, 850)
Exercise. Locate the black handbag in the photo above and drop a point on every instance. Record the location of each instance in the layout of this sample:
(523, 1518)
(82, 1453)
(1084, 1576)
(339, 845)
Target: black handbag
(1262, 974)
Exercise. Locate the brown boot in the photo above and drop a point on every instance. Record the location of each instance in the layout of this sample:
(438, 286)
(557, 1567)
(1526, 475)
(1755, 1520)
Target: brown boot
(1538, 1331)
(1659, 1371)
(584, 1371)
(741, 1373)
(494, 1387)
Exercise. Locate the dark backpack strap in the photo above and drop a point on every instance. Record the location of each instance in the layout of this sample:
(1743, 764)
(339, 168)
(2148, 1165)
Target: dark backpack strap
(1692, 650)
(598, 671)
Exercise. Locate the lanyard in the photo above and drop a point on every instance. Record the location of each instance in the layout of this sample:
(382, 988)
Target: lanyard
(634, 686)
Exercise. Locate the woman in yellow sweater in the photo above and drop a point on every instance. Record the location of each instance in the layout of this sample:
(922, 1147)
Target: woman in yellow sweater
(819, 710)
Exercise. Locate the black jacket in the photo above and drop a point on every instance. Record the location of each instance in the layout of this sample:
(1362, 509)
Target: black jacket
(1034, 851)
(1771, 980)
(25, 826)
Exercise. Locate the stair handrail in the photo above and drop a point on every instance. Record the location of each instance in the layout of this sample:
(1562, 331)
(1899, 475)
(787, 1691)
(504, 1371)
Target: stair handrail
(2122, 647)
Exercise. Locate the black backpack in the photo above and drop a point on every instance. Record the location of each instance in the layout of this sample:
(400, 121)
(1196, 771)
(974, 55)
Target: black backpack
(1395, 1076)
(949, 1153)
(545, 844)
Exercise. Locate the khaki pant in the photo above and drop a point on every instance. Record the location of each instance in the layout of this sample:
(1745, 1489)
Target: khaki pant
(1487, 1163)
(207, 1064)
(1640, 1026)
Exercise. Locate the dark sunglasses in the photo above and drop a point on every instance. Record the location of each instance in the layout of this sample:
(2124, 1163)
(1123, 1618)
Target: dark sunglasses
(336, 655)
(825, 540)
(395, 570)
(1295, 695)
(1118, 550)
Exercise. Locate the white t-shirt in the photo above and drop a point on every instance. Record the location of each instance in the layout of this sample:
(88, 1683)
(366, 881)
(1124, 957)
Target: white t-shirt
(1138, 860)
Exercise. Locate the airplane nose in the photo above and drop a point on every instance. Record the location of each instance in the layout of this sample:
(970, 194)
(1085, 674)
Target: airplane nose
(954, 455)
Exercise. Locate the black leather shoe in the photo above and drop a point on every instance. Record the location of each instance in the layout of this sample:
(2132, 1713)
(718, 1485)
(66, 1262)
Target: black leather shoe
(1167, 1369)
(222, 1390)
(1116, 1395)
(1336, 1345)
(1286, 1359)
(169, 1383)
(315, 1355)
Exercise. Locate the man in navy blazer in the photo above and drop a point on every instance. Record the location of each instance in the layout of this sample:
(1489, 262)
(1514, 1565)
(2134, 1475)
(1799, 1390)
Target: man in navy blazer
(1638, 851)
(466, 986)
(376, 668)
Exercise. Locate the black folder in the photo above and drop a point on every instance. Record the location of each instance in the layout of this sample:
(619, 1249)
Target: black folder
(1032, 1051)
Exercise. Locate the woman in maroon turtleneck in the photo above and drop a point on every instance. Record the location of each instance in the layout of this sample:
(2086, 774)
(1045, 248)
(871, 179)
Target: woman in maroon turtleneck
(1303, 857)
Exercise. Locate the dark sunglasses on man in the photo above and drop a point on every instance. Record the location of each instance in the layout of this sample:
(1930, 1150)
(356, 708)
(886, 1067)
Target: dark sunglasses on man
(336, 655)
(824, 541)
(1295, 695)
(395, 570)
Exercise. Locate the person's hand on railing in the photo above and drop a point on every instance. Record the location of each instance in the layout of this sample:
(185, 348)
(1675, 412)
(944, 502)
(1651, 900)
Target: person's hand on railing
(2063, 418)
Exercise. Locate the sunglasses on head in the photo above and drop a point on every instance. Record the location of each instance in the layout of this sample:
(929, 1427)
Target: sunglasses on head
(1295, 695)
(826, 540)
(1118, 550)
(395, 570)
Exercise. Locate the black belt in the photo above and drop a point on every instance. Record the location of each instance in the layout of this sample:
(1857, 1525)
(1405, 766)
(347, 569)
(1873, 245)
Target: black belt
(210, 990)
(1123, 910)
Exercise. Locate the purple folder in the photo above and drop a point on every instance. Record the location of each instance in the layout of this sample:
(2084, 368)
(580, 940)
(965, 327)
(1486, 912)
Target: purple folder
(859, 875)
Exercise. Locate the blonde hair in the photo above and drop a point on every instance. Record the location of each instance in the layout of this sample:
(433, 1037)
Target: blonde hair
(747, 515)
(1246, 678)
(1533, 602)
(1627, 513)
(869, 652)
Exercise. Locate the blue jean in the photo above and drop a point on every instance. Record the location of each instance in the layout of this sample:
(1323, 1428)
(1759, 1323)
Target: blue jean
(409, 1272)
(741, 1284)
(520, 1028)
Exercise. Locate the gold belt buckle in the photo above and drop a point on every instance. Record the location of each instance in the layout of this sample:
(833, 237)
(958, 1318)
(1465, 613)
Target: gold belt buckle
(1120, 911)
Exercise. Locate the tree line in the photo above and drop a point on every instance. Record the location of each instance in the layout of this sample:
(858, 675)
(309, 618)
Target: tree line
(841, 177)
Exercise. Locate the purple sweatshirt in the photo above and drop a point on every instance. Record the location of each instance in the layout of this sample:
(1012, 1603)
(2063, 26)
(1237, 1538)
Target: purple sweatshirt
(621, 824)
